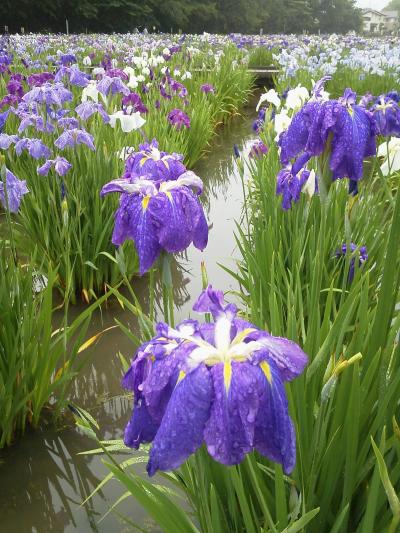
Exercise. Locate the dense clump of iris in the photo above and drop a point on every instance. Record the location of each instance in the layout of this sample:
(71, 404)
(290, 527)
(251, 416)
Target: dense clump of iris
(354, 251)
(345, 130)
(218, 383)
(386, 111)
(159, 206)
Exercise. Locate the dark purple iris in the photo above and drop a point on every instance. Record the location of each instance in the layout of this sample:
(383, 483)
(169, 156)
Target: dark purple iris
(159, 206)
(354, 251)
(134, 100)
(341, 126)
(220, 383)
(178, 119)
(386, 111)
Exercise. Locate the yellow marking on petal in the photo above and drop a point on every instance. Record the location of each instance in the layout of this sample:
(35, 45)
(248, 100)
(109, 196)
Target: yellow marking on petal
(145, 202)
(143, 160)
(182, 374)
(169, 195)
(227, 375)
(242, 335)
(267, 370)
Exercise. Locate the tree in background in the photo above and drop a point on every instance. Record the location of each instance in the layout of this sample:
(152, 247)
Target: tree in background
(190, 16)
(337, 16)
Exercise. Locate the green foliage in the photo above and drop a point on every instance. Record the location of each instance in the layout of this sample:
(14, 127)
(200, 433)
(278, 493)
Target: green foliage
(37, 362)
(295, 287)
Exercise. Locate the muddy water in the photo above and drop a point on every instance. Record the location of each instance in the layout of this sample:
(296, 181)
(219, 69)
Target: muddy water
(42, 479)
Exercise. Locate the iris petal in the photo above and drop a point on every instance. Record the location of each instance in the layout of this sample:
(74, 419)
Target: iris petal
(181, 430)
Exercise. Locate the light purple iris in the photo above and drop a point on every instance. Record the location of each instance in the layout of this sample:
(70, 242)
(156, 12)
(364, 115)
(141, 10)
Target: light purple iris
(70, 138)
(49, 94)
(349, 128)
(68, 123)
(219, 383)
(86, 109)
(112, 86)
(74, 75)
(178, 118)
(158, 214)
(60, 164)
(14, 189)
(35, 147)
(7, 140)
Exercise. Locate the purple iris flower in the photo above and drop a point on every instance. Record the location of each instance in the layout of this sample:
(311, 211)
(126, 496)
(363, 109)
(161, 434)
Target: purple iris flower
(35, 147)
(7, 140)
(15, 87)
(74, 75)
(68, 123)
(159, 216)
(320, 85)
(60, 164)
(164, 93)
(341, 126)
(86, 109)
(178, 119)
(178, 88)
(134, 100)
(154, 164)
(36, 80)
(113, 85)
(290, 181)
(33, 119)
(386, 112)
(219, 383)
(117, 73)
(258, 149)
(362, 257)
(10, 100)
(15, 190)
(67, 59)
(207, 88)
(49, 94)
(3, 119)
(72, 137)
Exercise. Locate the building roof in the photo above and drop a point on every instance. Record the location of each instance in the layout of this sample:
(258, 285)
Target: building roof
(391, 14)
(369, 10)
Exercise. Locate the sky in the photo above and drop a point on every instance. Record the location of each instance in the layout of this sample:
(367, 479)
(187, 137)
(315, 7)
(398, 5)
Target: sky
(375, 4)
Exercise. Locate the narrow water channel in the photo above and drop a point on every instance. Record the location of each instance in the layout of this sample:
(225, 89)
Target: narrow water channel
(42, 479)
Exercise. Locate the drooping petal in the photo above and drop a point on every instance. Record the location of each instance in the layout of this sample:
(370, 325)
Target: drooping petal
(274, 434)
(181, 431)
(238, 392)
(141, 428)
(353, 141)
(133, 220)
(177, 214)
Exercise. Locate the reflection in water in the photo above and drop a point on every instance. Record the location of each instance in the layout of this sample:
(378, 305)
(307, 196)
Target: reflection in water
(42, 479)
